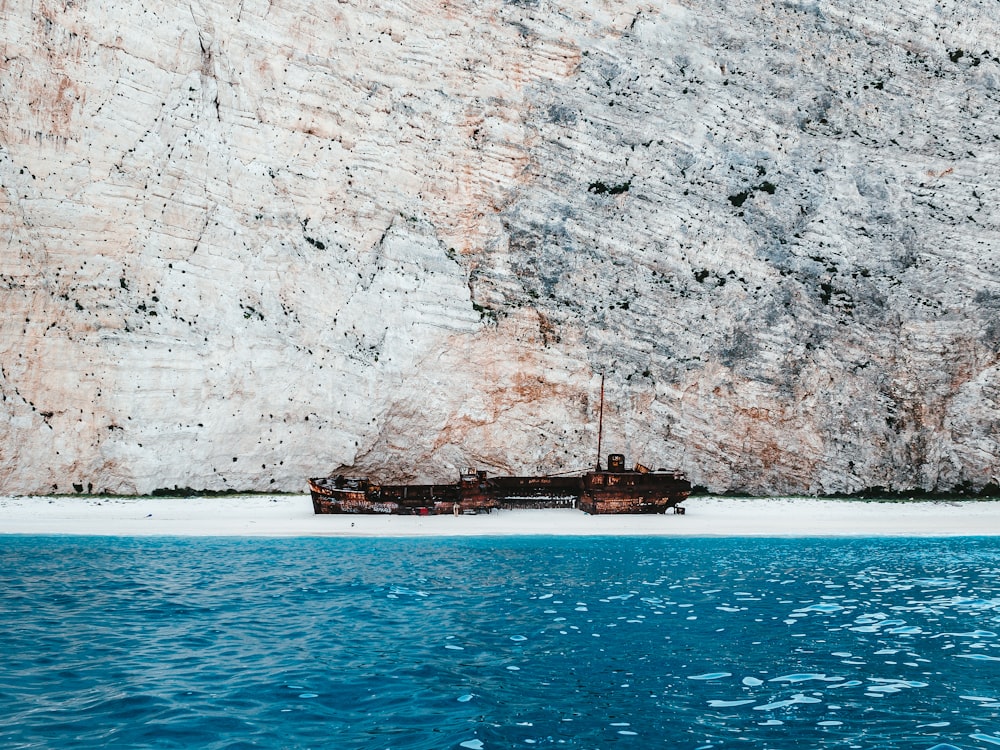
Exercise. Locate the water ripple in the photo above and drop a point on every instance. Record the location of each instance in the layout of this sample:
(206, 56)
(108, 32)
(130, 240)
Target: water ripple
(429, 644)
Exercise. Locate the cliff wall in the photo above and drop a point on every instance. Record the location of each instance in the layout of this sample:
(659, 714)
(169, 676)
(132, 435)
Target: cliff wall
(242, 244)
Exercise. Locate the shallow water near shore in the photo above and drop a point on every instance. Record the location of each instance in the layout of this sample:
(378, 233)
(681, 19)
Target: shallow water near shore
(496, 643)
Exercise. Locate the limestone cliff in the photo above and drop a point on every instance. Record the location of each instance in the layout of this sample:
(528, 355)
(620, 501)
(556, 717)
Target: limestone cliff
(243, 243)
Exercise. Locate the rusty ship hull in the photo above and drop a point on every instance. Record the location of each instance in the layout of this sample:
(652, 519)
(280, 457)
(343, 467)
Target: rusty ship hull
(358, 495)
(602, 491)
(633, 492)
(637, 490)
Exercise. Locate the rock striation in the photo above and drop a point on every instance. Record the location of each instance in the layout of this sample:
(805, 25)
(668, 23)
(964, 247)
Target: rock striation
(246, 243)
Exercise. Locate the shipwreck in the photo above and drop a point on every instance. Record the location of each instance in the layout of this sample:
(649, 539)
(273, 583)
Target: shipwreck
(609, 489)
(614, 489)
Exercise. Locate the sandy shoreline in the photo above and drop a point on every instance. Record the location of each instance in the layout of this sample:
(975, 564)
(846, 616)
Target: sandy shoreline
(291, 515)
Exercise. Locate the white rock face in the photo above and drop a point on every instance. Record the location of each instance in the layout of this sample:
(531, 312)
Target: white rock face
(241, 244)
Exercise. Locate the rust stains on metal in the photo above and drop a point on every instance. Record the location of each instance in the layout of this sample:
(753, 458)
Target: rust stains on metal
(601, 491)
(612, 490)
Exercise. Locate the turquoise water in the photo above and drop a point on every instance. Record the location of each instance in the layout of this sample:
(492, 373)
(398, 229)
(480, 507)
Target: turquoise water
(499, 643)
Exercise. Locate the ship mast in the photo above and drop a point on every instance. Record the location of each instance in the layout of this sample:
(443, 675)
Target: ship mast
(600, 424)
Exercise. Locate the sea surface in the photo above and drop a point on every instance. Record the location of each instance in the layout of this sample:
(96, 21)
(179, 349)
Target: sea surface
(492, 643)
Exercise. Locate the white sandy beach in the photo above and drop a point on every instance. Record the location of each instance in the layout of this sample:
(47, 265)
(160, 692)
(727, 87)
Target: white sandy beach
(292, 515)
